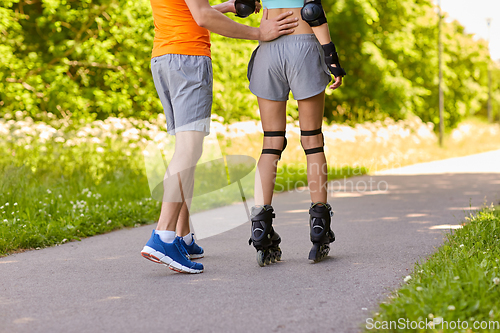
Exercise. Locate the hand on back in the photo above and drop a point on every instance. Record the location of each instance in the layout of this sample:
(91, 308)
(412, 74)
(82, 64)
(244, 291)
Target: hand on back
(278, 26)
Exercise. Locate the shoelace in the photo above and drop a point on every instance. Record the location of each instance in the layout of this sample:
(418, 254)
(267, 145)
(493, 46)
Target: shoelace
(183, 249)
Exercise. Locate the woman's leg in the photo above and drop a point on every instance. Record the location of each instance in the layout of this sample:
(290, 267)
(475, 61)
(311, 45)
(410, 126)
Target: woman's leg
(273, 116)
(311, 119)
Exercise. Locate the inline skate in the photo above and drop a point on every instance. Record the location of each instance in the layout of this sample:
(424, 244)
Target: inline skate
(321, 233)
(265, 240)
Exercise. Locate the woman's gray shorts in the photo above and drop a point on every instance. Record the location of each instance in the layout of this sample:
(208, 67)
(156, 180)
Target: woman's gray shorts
(184, 85)
(295, 62)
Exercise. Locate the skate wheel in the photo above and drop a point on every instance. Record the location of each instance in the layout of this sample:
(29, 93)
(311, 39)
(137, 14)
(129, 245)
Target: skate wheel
(278, 254)
(261, 258)
(319, 252)
(267, 258)
(273, 257)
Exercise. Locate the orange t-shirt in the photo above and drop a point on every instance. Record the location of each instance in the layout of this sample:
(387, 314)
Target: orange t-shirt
(176, 31)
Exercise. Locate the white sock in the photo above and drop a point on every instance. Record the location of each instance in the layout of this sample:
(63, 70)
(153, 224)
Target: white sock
(166, 236)
(188, 239)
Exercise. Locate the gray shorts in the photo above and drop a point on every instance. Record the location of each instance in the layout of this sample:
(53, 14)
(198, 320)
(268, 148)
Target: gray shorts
(295, 62)
(184, 85)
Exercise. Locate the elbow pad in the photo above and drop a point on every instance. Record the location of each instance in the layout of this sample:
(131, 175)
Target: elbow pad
(313, 13)
(244, 7)
(332, 58)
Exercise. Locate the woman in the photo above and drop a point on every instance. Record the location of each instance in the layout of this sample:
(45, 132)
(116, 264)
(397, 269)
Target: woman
(300, 62)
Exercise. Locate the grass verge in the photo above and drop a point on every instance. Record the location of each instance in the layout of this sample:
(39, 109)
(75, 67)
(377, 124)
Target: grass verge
(456, 290)
(68, 194)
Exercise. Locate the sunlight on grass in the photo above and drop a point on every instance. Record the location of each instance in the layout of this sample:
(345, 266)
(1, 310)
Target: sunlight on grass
(460, 283)
(62, 180)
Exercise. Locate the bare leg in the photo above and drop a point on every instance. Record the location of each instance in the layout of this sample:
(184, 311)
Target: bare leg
(273, 116)
(183, 220)
(178, 182)
(311, 118)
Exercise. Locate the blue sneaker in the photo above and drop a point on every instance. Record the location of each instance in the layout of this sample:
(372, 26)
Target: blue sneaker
(194, 250)
(173, 255)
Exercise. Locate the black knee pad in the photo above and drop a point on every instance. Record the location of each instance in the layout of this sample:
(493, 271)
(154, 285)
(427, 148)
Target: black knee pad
(275, 151)
(313, 133)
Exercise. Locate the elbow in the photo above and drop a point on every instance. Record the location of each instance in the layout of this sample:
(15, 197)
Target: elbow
(201, 19)
(202, 23)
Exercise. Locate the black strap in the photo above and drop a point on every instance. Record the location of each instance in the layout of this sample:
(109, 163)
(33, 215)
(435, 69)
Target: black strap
(311, 133)
(314, 150)
(274, 133)
(272, 152)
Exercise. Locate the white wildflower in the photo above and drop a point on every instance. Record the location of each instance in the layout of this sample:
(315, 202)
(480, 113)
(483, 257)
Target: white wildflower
(407, 278)
(420, 288)
(496, 280)
(451, 308)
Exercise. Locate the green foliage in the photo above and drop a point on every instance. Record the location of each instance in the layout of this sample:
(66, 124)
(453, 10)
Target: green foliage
(82, 58)
(459, 282)
(389, 49)
(91, 59)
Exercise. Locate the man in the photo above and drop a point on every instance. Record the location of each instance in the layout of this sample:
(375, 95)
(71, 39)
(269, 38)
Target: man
(182, 73)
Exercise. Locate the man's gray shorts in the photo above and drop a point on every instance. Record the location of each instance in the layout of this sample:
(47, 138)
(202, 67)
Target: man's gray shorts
(295, 62)
(184, 85)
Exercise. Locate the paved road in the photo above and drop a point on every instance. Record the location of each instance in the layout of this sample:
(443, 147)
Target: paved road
(102, 284)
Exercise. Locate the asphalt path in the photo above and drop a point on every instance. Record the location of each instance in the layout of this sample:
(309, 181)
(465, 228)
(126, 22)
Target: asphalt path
(102, 284)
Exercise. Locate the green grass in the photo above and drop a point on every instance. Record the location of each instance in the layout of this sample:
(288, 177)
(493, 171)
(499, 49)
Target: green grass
(461, 281)
(61, 180)
(51, 193)
(66, 194)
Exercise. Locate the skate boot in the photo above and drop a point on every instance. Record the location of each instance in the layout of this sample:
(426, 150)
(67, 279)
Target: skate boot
(321, 234)
(265, 240)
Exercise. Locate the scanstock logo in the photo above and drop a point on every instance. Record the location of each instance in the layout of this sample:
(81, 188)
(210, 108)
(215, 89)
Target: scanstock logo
(216, 176)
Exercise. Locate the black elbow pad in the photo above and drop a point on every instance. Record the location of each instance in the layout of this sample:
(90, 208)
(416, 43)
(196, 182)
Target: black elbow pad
(313, 13)
(244, 7)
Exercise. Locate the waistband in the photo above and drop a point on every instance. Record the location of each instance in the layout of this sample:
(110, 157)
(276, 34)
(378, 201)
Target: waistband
(292, 38)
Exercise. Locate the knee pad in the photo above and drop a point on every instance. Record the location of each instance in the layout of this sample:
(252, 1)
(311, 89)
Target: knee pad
(244, 7)
(313, 13)
(275, 151)
(313, 133)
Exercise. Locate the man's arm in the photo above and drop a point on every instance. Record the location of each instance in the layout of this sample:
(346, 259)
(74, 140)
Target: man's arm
(211, 19)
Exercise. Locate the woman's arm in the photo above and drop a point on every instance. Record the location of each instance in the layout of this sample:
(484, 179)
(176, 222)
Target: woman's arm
(323, 35)
(225, 7)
